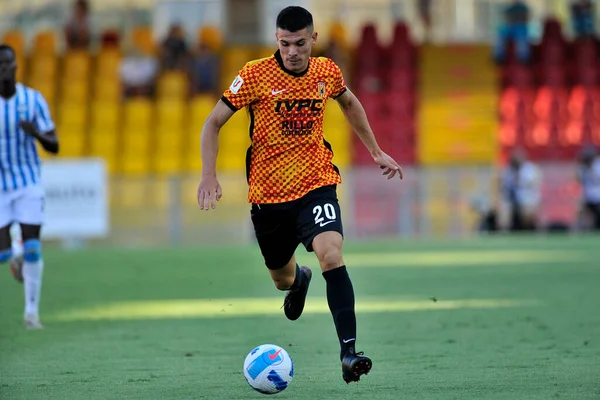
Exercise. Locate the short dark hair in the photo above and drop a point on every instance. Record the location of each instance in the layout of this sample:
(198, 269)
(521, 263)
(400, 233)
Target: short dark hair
(5, 47)
(294, 18)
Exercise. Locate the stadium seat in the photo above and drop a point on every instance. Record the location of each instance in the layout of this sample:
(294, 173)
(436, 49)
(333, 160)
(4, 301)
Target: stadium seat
(108, 63)
(77, 65)
(200, 108)
(234, 140)
(141, 38)
(75, 77)
(234, 59)
(337, 132)
(14, 39)
(137, 136)
(107, 90)
(72, 129)
(43, 75)
(170, 134)
(210, 36)
(104, 132)
(76, 91)
(17, 42)
(551, 104)
(110, 38)
(172, 85)
(44, 43)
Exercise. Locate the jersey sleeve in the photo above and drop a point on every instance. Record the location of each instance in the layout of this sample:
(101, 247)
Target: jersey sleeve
(243, 89)
(42, 118)
(339, 84)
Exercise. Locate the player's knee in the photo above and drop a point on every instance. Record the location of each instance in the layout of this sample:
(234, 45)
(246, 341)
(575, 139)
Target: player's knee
(5, 255)
(330, 258)
(32, 250)
(283, 282)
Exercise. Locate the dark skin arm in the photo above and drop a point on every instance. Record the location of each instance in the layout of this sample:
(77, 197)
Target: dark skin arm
(48, 140)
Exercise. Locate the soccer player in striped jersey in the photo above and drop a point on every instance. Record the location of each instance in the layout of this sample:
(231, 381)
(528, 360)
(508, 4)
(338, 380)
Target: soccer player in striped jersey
(24, 118)
(292, 180)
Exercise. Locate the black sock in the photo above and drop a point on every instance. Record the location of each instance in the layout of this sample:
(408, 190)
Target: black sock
(299, 279)
(340, 297)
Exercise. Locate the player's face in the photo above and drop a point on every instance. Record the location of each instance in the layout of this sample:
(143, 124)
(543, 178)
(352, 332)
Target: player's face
(8, 66)
(295, 47)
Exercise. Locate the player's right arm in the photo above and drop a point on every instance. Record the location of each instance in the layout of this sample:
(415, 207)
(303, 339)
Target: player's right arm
(209, 190)
(241, 93)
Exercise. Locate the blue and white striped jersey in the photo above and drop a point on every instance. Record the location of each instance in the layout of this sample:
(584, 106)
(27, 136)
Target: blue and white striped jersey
(19, 159)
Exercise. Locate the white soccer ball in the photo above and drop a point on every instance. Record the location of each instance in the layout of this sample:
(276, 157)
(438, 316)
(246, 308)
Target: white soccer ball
(268, 369)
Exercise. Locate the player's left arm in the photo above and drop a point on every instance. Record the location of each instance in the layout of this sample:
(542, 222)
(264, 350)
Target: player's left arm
(357, 117)
(42, 127)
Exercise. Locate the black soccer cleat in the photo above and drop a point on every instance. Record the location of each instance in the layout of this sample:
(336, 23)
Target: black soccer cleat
(354, 365)
(293, 305)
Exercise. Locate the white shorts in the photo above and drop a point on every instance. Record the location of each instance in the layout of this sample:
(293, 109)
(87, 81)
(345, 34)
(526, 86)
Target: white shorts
(24, 205)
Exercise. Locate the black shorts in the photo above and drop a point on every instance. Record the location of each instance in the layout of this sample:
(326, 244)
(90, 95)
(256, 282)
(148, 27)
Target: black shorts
(281, 227)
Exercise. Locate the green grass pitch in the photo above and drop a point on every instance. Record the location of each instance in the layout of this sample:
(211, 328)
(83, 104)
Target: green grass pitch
(487, 318)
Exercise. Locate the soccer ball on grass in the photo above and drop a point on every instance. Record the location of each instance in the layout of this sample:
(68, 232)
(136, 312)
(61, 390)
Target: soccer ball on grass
(268, 369)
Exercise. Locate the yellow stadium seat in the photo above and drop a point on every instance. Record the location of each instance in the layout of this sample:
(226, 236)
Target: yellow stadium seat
(43, 66)
(170, 123)
(105, 115)
(138, 113)
(135, 153)
(107, 90)
(142, 39)
(21, 68)
(15, 40)
(172, 85)
(236, 129)
(200, 108)
(232, 161)
(72, 114)
(77, 65)
(104, 132)
(76, 91)
(72, 141)
(234, 58)
(137, 135)
(210, 36)
(108, 63)
(337, 132)
(265, 51)
(45, 43)
(72, 129)
(106, 80)
(233, 142)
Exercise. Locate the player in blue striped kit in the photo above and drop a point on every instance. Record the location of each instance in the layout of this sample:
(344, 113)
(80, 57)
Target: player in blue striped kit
(24, 118)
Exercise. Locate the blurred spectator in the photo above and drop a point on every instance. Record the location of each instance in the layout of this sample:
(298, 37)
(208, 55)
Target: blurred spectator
(174, 54)
(521, 191)
(205, 63)
(337, 49)
(514, 29)
(77, 30)
(138, 74)
(110, 38)
(582, 18)
(589, 178)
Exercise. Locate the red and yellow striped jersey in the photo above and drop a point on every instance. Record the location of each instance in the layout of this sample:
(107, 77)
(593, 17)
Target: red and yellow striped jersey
(289, 156)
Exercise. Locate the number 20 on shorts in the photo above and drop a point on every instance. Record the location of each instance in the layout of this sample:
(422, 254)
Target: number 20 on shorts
(327, 211)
